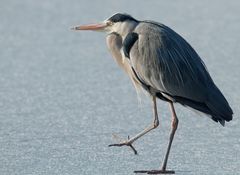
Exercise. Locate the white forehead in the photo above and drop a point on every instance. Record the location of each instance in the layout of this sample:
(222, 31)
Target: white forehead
(123, 28)
(110, 17)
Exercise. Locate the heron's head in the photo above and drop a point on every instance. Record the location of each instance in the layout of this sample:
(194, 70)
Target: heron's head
(119, 23)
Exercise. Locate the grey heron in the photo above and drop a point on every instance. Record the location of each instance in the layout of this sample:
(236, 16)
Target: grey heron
(162, 63)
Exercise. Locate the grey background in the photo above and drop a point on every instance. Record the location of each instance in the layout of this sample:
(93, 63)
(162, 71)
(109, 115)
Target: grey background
(62, 96)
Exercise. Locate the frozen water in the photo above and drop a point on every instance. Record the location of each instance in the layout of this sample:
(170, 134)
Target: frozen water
(62, 96)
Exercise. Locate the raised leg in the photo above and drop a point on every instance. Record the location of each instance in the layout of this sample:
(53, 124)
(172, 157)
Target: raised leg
(145, 131)
(173, 130)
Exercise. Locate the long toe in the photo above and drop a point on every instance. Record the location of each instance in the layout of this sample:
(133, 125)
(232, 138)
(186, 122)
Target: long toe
(125, 144)
(155, 171)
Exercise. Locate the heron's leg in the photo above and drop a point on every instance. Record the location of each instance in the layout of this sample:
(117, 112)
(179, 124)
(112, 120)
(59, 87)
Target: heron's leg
(145, 131)
(164, 165)
(174, 128)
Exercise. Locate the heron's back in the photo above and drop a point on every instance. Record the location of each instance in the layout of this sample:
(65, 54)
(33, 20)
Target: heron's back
(166, 62)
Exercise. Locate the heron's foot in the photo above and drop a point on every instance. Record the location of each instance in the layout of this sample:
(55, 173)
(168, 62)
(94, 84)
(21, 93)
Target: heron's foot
(156, 171)
(124, 143)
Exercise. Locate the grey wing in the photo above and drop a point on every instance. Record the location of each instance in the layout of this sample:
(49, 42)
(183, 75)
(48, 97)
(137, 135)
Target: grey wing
(163, 60)
(166, 62)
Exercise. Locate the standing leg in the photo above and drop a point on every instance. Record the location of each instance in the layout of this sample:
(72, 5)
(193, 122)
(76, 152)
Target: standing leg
(173, 130)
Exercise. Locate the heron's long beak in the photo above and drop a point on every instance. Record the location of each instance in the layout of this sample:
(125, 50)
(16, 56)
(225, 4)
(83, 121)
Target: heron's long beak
(94, 27)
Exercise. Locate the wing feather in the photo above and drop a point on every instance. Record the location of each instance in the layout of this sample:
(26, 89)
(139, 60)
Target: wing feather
(168, 63)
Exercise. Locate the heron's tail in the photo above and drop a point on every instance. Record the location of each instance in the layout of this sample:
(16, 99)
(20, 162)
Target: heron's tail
(219, 107)
(216, 106)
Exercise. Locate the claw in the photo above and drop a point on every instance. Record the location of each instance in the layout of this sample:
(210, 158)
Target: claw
(134, 150)
(123, 143)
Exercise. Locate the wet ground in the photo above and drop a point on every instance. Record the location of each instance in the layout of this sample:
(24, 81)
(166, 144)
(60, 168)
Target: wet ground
(62, 96)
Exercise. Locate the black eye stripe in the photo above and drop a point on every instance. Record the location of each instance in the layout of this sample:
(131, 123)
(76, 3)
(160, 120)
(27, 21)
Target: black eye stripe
(121, 17)
(109, 23)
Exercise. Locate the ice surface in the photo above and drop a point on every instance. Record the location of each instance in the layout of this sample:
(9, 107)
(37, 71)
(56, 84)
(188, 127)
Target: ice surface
(62, 96)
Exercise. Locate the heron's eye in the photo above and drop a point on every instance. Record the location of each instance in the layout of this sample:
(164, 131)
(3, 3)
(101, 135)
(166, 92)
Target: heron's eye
(109, 23)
